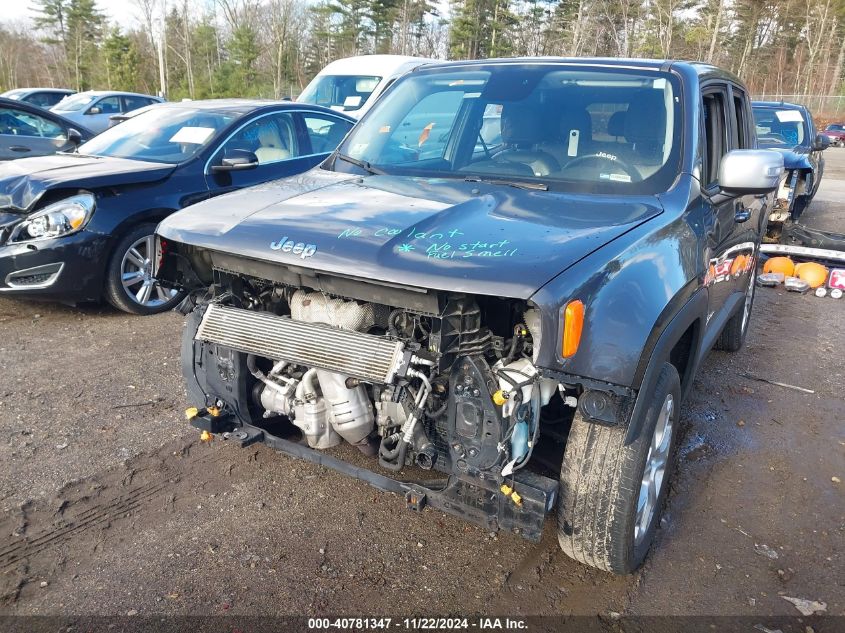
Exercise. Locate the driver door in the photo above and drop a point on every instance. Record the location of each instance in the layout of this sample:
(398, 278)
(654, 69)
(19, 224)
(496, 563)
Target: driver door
(729, 223)
(279, 144)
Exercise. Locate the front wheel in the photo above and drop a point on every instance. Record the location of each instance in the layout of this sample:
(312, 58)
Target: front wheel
(611, 494)
(130, 285)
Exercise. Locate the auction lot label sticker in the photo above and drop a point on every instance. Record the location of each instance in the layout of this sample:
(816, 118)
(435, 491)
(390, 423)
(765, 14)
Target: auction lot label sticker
(602, 623)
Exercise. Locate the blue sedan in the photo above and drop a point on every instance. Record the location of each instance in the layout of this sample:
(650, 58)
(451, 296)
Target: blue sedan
(79, 226)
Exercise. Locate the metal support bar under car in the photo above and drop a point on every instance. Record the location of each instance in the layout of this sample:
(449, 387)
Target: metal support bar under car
(485, 507)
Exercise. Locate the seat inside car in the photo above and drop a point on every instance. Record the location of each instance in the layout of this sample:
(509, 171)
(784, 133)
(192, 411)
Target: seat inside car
(523, 131)
(270, 145)
(573, 137)
(645, 132)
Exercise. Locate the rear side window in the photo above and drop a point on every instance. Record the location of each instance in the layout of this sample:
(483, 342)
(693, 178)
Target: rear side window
(325, 132)
(133, 103)
(44, 99)
(742, 135)
(715, 142)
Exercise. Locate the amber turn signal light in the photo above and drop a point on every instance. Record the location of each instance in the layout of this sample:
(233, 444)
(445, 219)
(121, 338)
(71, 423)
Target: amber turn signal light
(573, 324)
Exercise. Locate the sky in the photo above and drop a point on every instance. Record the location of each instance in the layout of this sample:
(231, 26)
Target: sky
(124, 12)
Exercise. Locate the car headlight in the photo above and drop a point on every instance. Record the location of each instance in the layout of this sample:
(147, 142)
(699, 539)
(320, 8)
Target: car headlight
(60, 218)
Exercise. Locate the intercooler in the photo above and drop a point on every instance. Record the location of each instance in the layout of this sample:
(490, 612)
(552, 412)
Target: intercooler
(367, 357)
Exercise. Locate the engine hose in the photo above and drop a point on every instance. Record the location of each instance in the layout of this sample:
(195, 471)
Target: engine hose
(516, 337)
(440, 411)
(391, 326)
(394, 458)
(426, 454)
(391, 440)
(253, 369)
(398, 462)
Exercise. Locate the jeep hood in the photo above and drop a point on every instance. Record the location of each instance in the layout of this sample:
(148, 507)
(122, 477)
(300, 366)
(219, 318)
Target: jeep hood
(24, 181)
(441, 234)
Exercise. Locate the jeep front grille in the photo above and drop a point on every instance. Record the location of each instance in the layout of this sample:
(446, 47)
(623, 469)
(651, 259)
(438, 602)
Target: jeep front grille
(374, 359)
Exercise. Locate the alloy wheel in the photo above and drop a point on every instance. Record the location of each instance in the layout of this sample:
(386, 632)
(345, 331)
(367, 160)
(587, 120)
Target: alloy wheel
(136, 274)
(655, 469)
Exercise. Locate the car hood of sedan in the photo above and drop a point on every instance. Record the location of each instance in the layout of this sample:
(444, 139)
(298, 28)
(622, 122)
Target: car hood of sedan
(24, 181)
(443, 234)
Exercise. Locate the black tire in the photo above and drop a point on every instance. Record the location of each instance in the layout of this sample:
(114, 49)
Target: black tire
(119, 296)
(600, 482)
(733, 334)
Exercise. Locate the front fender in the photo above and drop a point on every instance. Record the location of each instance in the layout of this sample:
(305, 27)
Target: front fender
(644, 278)
(796, 160)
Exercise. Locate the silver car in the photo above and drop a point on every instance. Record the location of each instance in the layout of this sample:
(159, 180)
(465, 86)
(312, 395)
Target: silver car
(94, 108)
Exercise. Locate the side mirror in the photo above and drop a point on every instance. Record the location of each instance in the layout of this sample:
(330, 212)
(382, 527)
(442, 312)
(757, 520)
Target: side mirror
(74, 136)
(94, 110)
(744, 172)
(822, 142)
(239, 160)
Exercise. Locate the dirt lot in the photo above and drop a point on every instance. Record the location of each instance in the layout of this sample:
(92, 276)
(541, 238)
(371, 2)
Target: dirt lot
(110, 505)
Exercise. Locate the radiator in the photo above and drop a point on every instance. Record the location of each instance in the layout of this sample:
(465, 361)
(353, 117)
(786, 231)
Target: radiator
(370, 358)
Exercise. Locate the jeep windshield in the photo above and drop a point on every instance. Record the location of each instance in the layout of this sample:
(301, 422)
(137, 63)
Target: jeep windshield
(780, 127)
(567, 128)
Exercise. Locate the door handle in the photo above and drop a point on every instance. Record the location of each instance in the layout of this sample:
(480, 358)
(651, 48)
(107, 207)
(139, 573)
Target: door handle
(743, 214)
(19, 148)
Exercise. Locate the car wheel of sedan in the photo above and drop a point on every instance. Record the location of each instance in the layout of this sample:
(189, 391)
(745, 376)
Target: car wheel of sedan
(130, 285)
(611, 494)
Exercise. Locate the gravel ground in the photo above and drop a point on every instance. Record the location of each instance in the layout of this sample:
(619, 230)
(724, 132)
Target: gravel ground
(111, 505)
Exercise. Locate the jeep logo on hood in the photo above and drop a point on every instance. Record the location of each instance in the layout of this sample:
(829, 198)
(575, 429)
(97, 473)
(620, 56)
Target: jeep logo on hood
(297, 248)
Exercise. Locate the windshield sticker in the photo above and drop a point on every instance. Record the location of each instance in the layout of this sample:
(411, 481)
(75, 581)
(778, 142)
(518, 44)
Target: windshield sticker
(192, 135)
(352, 101)
(615, 177)
(426, 132)
(789, 116)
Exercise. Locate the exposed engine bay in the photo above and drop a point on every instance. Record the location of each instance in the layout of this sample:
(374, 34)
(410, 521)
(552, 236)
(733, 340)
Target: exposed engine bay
(455, 391)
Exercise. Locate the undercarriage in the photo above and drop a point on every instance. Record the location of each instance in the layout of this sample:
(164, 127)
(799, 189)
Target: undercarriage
(440, 396)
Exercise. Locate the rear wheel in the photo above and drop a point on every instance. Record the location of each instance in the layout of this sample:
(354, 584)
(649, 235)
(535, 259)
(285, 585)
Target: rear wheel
(130, 285)
(611, 494)
(733, 334)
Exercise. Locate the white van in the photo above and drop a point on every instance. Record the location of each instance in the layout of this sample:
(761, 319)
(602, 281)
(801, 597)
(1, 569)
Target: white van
(352, 85)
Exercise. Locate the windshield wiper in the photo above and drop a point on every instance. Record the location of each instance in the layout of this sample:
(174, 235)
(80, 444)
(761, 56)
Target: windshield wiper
(519, 184)
(360, 163)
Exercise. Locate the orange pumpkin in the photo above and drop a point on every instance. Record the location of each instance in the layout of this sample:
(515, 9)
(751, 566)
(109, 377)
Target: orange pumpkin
(780, 265)
(811, 272)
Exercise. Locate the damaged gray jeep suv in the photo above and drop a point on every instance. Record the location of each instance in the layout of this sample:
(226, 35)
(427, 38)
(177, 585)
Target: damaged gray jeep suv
(506, 275)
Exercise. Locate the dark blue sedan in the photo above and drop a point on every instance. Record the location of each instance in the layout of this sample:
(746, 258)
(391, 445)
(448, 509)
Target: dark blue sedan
(79, 226)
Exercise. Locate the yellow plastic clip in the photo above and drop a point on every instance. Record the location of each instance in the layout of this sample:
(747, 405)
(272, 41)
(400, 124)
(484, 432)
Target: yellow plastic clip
(511, 494)
(213, 411)
(191, 413)
(205, 436)
(500, 398)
